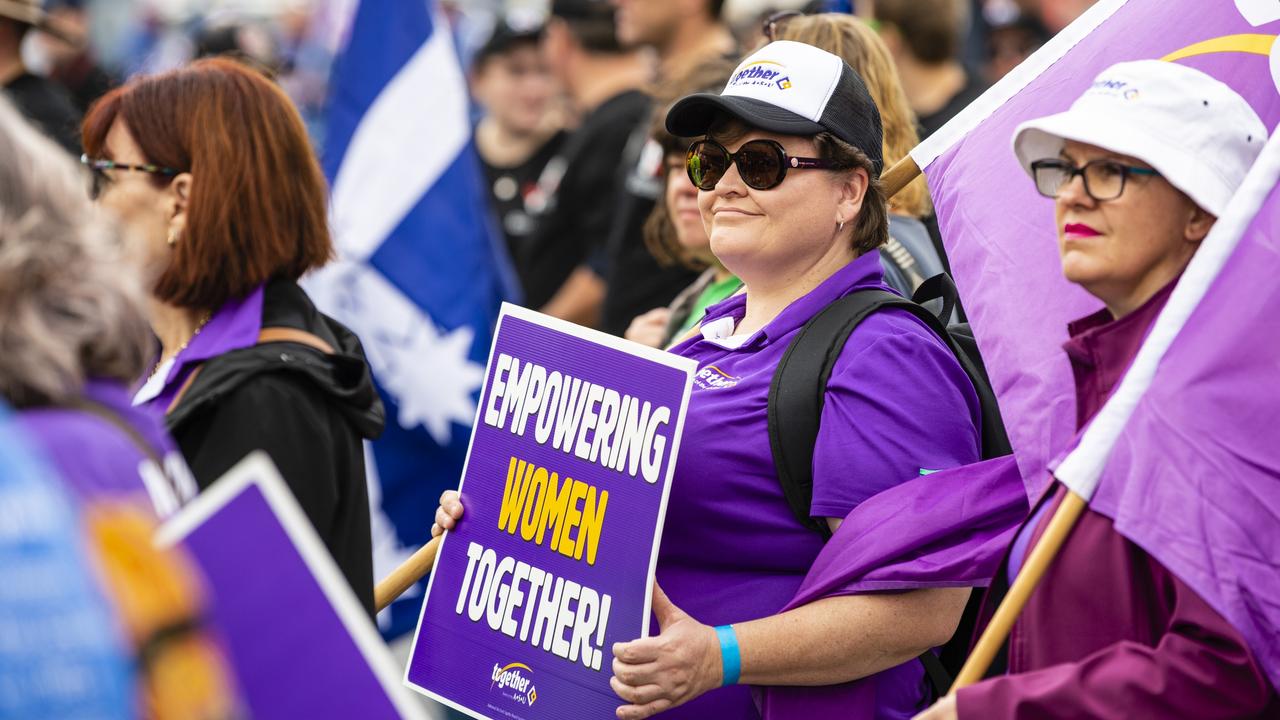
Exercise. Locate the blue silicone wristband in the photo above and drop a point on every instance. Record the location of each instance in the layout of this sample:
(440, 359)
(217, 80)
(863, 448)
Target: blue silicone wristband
(730, 656)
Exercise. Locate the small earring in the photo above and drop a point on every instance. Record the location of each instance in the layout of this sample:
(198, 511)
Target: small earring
(839, 227)
(173, 237)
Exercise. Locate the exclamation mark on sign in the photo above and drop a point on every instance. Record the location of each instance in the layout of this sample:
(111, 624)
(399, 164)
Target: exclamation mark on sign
(600, 626)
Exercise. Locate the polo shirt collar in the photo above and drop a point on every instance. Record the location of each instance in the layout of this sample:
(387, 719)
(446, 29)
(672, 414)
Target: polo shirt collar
(863, 271)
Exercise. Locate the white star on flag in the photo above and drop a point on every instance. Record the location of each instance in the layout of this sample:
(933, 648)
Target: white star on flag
(426, 370)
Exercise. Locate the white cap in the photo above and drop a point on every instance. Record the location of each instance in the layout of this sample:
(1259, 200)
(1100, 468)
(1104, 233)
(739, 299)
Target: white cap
(1194, 130)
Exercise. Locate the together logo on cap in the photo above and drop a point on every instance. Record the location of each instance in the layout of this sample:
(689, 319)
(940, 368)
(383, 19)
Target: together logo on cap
(762, 72)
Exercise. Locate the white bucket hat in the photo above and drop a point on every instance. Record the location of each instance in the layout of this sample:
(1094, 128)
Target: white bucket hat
(1193, 129)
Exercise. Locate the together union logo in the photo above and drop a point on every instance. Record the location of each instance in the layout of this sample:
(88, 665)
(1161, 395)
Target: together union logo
(757, 74)
(713, 378)
(513, 683)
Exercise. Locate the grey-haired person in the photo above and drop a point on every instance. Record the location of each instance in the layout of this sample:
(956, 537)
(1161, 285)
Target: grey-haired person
(73, 329)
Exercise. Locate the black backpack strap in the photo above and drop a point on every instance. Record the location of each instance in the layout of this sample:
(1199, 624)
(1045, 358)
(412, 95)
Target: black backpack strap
(936, 674)
(797, 392)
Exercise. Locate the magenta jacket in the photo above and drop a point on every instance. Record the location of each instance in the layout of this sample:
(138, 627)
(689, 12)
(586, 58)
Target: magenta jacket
(1110, 633)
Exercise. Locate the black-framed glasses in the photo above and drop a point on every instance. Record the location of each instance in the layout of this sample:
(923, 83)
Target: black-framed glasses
(1103, 179)
(762, 164)
(774, 22)
(99, 166)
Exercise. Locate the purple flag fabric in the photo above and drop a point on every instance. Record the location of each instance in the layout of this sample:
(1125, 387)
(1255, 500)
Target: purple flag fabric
(999, 233)
(945, 529)
(1193, 476)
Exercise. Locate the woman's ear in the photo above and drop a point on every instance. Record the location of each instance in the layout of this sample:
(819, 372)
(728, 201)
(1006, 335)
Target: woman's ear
(179, 197)
(1198, 224)
(853, 190)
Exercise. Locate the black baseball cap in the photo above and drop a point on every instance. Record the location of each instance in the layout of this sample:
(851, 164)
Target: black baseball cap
(793, 89)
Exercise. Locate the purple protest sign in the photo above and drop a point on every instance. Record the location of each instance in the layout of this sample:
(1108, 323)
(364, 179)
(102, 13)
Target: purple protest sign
(299, 642)
(565, 488)
(999, 232)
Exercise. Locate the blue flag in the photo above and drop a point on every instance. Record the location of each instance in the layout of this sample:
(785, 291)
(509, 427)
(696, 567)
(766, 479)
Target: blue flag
(420, 277)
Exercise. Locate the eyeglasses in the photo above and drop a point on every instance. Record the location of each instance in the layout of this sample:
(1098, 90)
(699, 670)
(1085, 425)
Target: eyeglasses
(99, 166)
(774, 23)
(1103, 179)
(762, 163)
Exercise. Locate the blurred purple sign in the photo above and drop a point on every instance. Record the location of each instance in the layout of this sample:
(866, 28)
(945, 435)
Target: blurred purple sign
(565, 488)
(299, 641)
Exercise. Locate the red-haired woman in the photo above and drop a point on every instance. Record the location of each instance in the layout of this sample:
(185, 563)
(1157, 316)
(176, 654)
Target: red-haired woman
(210, 170)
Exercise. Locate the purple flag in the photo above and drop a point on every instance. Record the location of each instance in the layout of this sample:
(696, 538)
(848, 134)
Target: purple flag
(945, 529)
(999, 232)
(1185, 456)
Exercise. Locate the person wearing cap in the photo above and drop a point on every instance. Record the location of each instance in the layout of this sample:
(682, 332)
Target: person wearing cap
(1140, 167)
(787, 167)
(521, 130)
(41, 100)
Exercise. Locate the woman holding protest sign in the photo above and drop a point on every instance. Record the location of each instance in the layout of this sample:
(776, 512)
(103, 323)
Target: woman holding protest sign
(787, 171)
(210, 169)
(1140, 167)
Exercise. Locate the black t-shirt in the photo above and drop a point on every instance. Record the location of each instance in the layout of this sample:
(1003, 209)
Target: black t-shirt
(636, 282)
(512, 188)
(973, 87)
(48, 107)
(575, 198)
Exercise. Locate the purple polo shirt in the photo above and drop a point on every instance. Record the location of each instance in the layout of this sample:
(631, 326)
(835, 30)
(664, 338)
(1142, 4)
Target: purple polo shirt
(897, 404)
(234, 326)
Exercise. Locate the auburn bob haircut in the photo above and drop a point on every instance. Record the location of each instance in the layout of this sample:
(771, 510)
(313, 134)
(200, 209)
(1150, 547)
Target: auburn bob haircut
(257, 205)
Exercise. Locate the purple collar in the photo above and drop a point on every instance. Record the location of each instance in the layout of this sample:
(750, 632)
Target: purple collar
(234, 326)
(862, 272)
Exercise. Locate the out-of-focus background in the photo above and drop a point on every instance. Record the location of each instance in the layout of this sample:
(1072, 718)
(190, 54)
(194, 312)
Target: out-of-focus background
(297, 39)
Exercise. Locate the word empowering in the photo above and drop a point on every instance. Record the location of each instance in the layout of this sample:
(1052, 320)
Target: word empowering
(551, 605)
(598, 424)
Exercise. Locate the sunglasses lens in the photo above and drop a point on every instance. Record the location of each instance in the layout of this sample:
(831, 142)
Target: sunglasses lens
(706, 164)
(760, 164)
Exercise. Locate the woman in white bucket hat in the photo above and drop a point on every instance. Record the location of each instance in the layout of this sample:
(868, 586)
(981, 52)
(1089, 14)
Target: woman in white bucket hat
(1139, 167)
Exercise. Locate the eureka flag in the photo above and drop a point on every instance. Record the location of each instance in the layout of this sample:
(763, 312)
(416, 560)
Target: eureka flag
(419, 278)
(999, 233)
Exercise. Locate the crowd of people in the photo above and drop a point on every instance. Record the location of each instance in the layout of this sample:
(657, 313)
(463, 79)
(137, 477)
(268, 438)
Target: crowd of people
(649, 181)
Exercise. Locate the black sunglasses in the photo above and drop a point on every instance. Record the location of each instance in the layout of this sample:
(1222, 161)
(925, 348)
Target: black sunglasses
(1103, 179)
(762, 163)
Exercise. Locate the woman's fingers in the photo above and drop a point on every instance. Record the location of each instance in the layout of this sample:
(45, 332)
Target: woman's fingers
(635, 675)
(636, 695)
(639, 712)
(636, 652)
(449, 512)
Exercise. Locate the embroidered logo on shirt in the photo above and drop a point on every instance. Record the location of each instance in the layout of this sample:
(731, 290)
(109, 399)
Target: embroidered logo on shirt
(713, 378)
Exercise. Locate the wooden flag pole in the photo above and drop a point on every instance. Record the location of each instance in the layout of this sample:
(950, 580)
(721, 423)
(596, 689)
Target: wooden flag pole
(419, 564)
(1039, 560)
(899, 176)
(403, 577)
